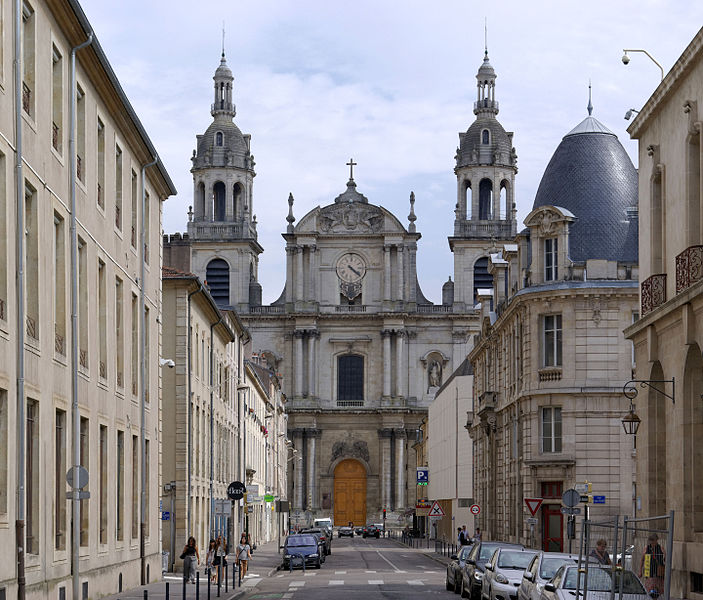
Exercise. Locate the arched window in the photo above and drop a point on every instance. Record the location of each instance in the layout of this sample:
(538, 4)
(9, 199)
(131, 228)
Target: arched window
(200, 202)
(219, 138)
(217, 277)
(482, 278)
(350, 377)
(693, 185)
(657, 220)
(467, 200)
(485, 200)
(485, 137)
(219, 198)
(505, 210)
(237, 193)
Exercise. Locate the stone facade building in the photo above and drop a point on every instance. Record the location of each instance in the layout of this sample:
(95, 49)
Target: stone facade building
(551, 359)
(76, 394)
(360, 349)
(669, 336)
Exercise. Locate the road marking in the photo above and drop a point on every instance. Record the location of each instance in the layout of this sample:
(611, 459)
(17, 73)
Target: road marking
(309, 574)
(415, 582)
(296, 584)
(287, 596)
(340, 572)
(370, 571)
(279, 576)
(375, 581)
(337, 582)
(396, 569)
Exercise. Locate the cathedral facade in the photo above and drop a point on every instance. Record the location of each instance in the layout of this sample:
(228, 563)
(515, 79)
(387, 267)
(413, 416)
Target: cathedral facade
(360, 350)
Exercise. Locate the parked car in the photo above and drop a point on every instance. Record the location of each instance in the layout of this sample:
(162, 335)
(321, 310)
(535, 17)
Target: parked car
(345, 531)
(305, 545)
(454, 569)
(359, 530)
(504, 573)
(324, 536)
(371, 531)
(472, 573)
(600, 581)
(540, 571)
(323, 523)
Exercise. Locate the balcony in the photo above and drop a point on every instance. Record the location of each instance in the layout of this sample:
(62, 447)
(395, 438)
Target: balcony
(351, 308)
(550, 374)
(434, 308)
(218, 230)
(653, 292)
(689, 268)
(487, 403)
(485, 229)
(267, 310)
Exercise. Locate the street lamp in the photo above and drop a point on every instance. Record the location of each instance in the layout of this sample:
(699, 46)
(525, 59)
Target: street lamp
(626, 58)
(631, 422)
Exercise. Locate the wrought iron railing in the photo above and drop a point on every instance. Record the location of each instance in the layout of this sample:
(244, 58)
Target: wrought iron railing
(26, 98)
(350, 403)
(134, 387)
(83, 358)
(55, 135)
(133, 239)
(118, 216)
(32, 328)
(79, 167)
(101, 201)
(689, 267)
(653, 292)
(120, 379)
(103, 369)
(2, 309)
(59, 343)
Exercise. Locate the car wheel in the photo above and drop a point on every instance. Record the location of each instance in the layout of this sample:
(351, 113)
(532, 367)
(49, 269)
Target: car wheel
(457, 585)
(449, 585)
(319, 564)
(463, 590)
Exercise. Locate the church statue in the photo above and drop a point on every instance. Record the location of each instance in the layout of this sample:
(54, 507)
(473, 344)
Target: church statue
(435, 374)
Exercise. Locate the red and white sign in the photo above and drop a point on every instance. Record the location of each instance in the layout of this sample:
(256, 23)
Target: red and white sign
(533, 505)
(475, 509)
(436, 510)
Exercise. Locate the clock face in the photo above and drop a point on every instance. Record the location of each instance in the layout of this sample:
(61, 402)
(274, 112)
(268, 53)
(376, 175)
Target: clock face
(351, 267)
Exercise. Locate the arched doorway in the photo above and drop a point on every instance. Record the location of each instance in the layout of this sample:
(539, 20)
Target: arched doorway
(349, 493)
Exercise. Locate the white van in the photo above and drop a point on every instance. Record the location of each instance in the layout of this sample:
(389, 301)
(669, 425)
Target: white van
(325, 522)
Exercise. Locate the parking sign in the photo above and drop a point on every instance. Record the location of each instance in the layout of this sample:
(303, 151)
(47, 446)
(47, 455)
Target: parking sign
(423, 475)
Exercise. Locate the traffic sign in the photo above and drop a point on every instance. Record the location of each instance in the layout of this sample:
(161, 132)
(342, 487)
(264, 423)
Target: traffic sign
(532, 521)
(568, 510)
(598, 499)
(475, 509)
(77, 477)
(436, 510)
(423, 475)
(421, 503)
(533, 505)
(165, 515)
(571, 497)
(269, 498)
(235, 490)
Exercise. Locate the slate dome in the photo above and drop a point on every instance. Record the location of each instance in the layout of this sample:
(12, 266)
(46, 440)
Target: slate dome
(471, 140)
(232, 143)
(592, 176)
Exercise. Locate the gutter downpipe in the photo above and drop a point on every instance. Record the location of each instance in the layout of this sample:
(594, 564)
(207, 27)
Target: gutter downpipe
(19, 282)
(142, 374)
(212, 429)
(75, 412)
(190, 416)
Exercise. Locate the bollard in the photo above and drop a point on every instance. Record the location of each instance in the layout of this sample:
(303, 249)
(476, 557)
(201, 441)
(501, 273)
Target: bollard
(146, 594)
(209, 582)
(197, 585)
(184, 586)
(234, 576)
(218, 582)
(226, 579)
(168, 595)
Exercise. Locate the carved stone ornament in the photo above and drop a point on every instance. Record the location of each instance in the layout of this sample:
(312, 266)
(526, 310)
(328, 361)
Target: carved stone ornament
(355, 217)
(357, 449)
(547, 224)
(350, 290)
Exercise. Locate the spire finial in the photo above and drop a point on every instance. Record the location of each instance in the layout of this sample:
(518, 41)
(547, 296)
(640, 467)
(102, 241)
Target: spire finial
(223, 39)
(485, 35)
(590, 105)
(290, 218)
(411, 217)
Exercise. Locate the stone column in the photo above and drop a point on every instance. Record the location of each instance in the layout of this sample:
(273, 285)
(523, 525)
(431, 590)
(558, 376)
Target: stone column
(384, 461)
(312, 435)
(401, 274)
(209, 204)
(400, 471)
(312, 272)
(298, 361)
(312, 338)
(386, 335)
(386, 272)
(289, 273)
(399, 378)
(412, 269)
(299, 495)
(299, 275)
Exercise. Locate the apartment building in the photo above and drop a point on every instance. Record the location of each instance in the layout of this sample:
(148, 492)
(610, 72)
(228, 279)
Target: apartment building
(95, 392)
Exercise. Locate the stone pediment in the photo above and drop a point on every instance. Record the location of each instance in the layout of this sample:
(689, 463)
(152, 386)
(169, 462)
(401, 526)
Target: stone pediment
(350, 218)
(547, 219)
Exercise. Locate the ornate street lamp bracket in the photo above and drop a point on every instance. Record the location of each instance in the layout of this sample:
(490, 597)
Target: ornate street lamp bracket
(630, 391)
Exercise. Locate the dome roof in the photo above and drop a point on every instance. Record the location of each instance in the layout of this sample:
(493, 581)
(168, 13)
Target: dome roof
(591, 175)
(500, 141)
(223, 71)
(233, 144)
(486, 69)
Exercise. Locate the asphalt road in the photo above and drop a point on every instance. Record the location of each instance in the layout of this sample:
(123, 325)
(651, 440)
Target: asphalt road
(358, 568)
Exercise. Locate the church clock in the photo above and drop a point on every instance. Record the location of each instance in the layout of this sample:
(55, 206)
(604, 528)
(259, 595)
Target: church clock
(351, 268)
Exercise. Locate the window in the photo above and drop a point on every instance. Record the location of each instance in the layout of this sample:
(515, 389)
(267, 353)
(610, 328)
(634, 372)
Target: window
(56, 98)
(102, 319)
(485, 200)
(147, 224)
(135, 487)
(60, 481)
(32, 475)
(147, 354)
(59, 286)
(217, 276)
(119, 513)
(350, 377)
(219, 138)
(118, 188)
(28, 68)
(119, 333)
(32, 257)
(80, 133)
(133, 237)
(551, 272)
(135, 345)
(83, 302)
(219, 195)
(485, 137)
(146, 490)
(4, 250)
(101, 164)
(3, 452)
(84, 450)
(552, 340)
(103, 484)
(551, 429)
(482, 278)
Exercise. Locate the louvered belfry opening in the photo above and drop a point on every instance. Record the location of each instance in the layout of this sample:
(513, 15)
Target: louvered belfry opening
(217, 275)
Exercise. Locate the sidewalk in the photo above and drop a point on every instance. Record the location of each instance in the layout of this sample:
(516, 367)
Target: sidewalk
(425, 551)
(265, 561)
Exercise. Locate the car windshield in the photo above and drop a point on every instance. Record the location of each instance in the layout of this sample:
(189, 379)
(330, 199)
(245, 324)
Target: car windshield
(599, 580)
(514, 559)
(487, 551)
(549, 566)
(300, 541)
(464, 552)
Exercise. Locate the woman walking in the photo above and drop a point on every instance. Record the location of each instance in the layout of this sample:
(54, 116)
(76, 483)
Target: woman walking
(210, 559)
(191, 559)
(220, 556)
(243, 555)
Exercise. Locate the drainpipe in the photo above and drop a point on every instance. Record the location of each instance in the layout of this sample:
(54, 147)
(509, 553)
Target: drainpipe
(212, 428)
(75, 412)
(21, 458)
(142, 374)
(190, 417)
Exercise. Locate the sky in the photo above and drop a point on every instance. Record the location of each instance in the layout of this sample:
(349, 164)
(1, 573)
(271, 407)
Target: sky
(388, 83)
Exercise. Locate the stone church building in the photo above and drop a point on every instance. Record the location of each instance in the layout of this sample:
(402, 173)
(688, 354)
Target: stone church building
(360, 349)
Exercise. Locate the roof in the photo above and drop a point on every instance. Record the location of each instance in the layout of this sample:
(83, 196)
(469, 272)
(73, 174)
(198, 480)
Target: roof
(234, 147)
(591, 176)
(464, 369)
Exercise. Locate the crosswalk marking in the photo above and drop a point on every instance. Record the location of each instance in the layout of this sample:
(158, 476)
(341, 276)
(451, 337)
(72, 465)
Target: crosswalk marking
(340, 572)
(296, 584)
(370, 571)
(375, 581)
(415, 582)
(311, 574)
(337, 582)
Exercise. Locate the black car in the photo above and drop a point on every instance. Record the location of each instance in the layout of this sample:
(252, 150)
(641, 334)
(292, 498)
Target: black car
(324, 536)
(371, 531)
(358, 531)
(454, 569)
(345, 530)
(475, 566)
(301, 544)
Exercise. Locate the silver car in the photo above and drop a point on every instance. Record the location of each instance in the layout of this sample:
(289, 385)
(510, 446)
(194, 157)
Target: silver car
(542, 568)
(600, 582)
(504, 573)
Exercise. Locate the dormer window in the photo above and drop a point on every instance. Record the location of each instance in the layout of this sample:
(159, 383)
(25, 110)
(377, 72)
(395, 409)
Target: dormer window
(551, 271)
(219, 139)
(485, 137)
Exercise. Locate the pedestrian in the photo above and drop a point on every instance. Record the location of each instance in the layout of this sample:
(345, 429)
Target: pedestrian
(460, 536)
(600, 554)
(243, 555)
(477, 535)
(465, 533)
(191, 560)
(652, 566)
(220, 556)
(209, 560)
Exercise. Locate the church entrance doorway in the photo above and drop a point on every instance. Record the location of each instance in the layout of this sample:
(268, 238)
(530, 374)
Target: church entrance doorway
(349, 493)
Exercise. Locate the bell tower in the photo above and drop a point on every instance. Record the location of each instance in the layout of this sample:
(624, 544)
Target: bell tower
(485, 213)
(221, 221)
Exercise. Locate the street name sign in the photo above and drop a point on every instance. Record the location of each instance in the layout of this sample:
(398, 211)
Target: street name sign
(532, 521)
(598, 499)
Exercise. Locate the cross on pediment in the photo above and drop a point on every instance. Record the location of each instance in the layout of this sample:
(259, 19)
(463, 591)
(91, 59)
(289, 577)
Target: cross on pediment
(351, 164)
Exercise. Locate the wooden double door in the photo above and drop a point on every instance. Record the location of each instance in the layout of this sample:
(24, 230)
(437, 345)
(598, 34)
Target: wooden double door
(349, 493)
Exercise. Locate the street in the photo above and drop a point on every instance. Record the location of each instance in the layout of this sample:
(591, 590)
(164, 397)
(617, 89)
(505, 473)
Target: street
(369, 568)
